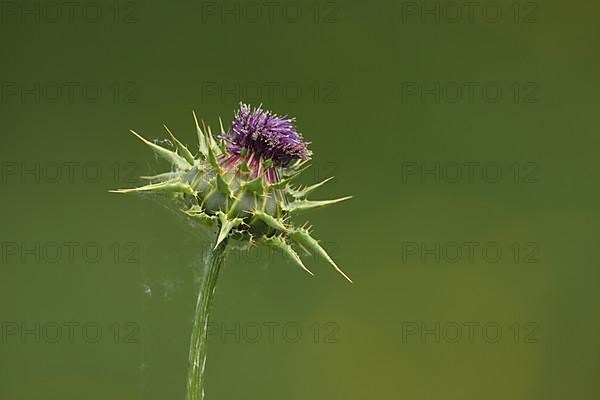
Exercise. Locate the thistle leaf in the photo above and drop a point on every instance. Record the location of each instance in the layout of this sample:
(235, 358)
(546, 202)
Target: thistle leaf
(304, 205)
(167, 176)
(289, 177)
(211, 155)
(213, 147)
(279, 243)
(222, 141)
(221, 125)
(296, 168)
(243, 166)
(181, 147)
(256, 186)
(202, 140)
(300, 193)
(198, 214)
(212, 159)
(223, 186)
(195, 209)
(279, 185)
(167, 154)
(303, 238)
(174, 186)
(270, 220)
(226, 226)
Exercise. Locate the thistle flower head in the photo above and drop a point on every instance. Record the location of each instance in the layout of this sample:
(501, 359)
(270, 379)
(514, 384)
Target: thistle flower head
(235, 186)
(264, 135)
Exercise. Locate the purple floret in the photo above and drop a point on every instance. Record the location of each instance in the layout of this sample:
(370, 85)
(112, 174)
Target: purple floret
(265, 136)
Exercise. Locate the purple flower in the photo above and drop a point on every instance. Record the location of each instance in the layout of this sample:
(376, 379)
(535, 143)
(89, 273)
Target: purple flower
(259, 135)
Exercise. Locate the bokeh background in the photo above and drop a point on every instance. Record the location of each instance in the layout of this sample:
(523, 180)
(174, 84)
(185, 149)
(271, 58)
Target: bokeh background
(374, 88)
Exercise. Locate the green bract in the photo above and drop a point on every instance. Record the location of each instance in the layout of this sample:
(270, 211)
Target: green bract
(234, 200)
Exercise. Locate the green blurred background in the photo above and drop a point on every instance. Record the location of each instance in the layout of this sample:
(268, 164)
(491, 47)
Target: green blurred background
(360, 68)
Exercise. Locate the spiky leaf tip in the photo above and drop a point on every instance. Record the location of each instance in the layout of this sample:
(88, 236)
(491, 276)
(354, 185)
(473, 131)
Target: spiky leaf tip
(279, 243)
(172, 157)
(173, 186)
(227, 224)
(303, 238)
(183, 150)
(305, 205)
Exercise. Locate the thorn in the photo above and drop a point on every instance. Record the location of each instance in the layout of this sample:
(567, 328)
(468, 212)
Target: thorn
(202, 143)
(167, 154)
(270, 220)
(181, 147)
(304, 205)
(221, 124)
(174, 186)
(256, 186)
(226, 226)
(161, 177)
(279, 243)
(304, 192)
(304, 239)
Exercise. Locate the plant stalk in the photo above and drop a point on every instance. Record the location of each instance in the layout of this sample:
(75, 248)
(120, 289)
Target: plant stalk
(197, 355)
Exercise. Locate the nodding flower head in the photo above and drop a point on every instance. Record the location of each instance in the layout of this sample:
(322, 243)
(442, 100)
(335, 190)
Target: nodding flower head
(263, 135)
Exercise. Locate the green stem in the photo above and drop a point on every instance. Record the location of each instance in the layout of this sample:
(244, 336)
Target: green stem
(197, 356)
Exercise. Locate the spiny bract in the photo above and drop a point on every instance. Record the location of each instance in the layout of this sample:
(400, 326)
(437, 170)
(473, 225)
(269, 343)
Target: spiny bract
(240, 182)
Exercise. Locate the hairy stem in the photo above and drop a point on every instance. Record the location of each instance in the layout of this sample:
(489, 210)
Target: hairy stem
(197, 356)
